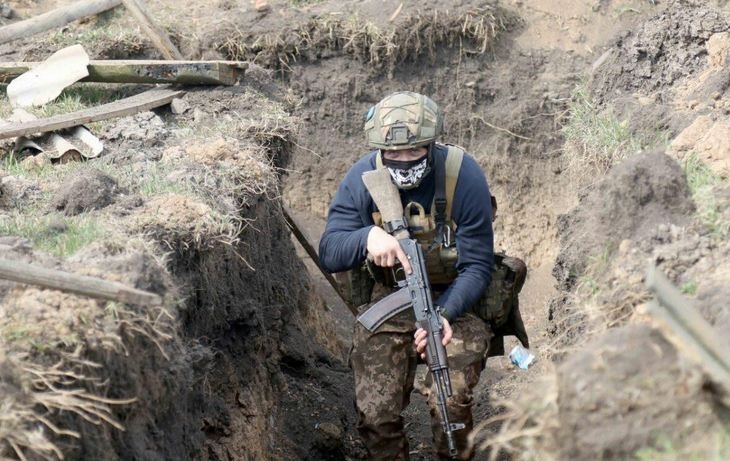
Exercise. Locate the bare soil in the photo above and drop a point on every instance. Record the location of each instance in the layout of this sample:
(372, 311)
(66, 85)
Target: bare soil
(248, 358)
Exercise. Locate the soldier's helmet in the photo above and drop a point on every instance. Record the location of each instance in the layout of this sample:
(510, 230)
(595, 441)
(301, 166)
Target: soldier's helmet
(402, 120)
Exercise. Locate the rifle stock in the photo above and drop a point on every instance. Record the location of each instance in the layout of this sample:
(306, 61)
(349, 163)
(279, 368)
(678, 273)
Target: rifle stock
(386, 197)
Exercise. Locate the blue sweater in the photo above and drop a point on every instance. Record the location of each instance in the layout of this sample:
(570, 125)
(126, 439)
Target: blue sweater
(343, 245)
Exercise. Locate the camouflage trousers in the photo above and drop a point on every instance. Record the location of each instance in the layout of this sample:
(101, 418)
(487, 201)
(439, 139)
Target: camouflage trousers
(384, 363)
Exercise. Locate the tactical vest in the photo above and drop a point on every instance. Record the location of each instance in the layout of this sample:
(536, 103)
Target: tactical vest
(436, 233)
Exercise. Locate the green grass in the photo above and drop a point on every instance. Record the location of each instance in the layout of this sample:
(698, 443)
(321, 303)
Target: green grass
(690, 288)
(54, 233)
(106, 30)
(597, 139)
(713, 446)
(155, 182)
(588, 283)
(701, 181)
(76, 97)
(699, 175)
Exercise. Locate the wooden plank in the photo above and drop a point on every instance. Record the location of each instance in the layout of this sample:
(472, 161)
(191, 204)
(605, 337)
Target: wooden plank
(55, 18)
(159, 37)
(127, 106)
(688, 346)
(309, 248)
(687, 315)
(80, 284)
(147, 71)
(690, 333)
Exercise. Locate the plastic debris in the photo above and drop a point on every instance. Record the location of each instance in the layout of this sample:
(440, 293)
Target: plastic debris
(46, 81)
(521, 357)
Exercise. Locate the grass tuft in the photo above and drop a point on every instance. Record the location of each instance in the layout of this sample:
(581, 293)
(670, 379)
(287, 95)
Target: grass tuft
(702, 181)
(596, 139)
(699, 175)
(54, 233)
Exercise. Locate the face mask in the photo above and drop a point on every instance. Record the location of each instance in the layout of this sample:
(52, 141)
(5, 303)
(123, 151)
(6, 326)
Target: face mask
(407, 174)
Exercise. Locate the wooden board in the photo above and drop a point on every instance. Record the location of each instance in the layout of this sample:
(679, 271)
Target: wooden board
(127, 106)
(158, 36)
(80, 284)
(55, 19)
(147, 71)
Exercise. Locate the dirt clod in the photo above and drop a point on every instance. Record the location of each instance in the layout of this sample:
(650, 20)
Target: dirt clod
(90, 190)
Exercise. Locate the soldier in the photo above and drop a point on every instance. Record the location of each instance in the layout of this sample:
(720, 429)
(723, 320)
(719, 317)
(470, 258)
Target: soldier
(402, 129)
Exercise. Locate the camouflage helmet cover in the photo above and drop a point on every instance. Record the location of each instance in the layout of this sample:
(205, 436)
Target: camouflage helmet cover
(401, 120)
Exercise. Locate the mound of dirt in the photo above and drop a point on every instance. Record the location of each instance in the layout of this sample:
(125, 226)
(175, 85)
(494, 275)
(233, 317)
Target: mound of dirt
(660, 52)
(90, 190)
(637, 195)
(618, 395)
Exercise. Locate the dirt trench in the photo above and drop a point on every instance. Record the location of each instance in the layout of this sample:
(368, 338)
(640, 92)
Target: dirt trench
(249, 359)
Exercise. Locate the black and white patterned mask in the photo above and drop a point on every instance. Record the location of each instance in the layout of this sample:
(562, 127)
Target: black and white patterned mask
(407, 174)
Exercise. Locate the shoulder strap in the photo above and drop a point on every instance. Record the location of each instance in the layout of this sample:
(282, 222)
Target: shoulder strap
(453, 165)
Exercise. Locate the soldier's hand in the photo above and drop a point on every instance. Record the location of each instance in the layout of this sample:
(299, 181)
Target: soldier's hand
(385, 249)
(419, 339)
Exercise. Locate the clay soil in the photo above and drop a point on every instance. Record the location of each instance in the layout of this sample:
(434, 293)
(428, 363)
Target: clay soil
(247, 359)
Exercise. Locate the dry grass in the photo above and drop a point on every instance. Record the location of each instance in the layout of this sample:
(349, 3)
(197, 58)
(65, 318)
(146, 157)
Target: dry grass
(45, 336)
(595, 139)
(40, 392)
(107, 36)
(523, 429)
(415, 36)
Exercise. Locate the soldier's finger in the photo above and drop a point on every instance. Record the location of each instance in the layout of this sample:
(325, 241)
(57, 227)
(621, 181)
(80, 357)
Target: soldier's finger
(403, 260)
(378, 260)
(390, 260)
(447, 333)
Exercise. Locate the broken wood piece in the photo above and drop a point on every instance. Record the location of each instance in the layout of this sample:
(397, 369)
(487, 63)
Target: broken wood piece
(159, 38)
(127, 106)
(46, 81)
(147, 71)
(55, 18)
(690, 333)
(80, 284)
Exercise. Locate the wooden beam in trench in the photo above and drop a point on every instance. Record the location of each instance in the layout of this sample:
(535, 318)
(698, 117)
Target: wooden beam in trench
(55, 18)
(146, 71)
(79, 284)
(691, 334)
(127, 106)
(158, 36)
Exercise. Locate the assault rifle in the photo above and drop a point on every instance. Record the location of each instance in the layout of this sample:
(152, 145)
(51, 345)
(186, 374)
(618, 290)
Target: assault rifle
(415, 290)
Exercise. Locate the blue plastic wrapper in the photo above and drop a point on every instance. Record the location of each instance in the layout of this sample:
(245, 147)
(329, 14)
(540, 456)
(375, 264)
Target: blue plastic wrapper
(521, 357)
